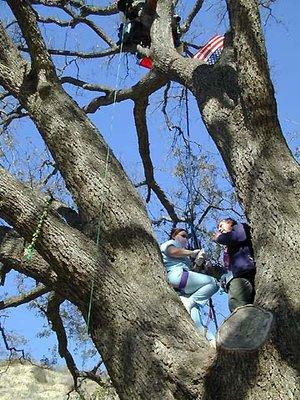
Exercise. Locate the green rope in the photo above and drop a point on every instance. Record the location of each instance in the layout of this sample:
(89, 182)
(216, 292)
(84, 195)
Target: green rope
(98, 232)
(28, 253)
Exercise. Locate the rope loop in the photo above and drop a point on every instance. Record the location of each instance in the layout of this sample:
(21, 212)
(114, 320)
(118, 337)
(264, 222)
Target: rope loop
(28, 253)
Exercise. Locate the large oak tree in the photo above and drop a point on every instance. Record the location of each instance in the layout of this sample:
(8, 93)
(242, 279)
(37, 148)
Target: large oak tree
(146, 339)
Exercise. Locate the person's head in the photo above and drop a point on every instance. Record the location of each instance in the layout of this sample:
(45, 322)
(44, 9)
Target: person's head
(226, 225)
(180, 235)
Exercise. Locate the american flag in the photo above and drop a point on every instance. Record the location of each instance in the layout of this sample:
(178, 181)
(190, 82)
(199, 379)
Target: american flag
(212, 50)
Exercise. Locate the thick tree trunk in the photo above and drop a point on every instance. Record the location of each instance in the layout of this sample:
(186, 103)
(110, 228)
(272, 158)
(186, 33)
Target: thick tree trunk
(242, 120)
(236, 101)
(146, 339)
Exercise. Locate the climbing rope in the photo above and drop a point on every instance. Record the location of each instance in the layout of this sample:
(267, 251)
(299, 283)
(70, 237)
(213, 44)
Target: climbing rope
(98, 231)
(28, 252)
(190, 207)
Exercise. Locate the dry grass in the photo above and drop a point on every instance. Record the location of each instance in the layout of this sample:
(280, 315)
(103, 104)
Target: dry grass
(26, 381)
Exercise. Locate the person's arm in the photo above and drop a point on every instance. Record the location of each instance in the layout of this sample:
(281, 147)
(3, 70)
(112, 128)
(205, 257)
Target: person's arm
(178, 252)
(232, 236)
(226, 238)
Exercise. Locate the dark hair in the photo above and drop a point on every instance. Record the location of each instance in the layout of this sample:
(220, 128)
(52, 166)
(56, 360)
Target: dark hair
(175, 232)
(229, 220)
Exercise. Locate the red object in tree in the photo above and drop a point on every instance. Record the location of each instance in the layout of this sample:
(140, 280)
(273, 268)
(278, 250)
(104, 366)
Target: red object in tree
(146, 62)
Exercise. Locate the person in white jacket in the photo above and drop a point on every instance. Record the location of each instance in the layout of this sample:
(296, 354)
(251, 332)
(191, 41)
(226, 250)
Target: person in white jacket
(195, 288)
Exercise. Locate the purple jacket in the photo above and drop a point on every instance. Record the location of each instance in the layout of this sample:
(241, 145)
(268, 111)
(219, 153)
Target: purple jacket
(239, 249)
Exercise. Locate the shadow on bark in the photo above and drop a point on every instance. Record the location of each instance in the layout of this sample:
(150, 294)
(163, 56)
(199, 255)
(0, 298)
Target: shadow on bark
(285, 337)
(233, 374)
(149, 344)
(230, 376)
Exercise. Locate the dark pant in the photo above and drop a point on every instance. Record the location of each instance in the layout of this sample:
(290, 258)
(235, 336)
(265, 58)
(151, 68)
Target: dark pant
(241, 290)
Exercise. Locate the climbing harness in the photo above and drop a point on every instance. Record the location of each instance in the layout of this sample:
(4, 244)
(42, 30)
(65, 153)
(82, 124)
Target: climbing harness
(28, 252)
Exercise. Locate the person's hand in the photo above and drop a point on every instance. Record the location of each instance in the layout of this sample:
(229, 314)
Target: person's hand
(194, 253)
(216, 235)
(200, 258)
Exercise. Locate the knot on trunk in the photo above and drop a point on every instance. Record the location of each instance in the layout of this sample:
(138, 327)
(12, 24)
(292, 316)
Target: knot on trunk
(246, 329)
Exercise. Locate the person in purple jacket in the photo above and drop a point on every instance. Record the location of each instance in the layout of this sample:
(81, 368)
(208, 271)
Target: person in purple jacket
(238, 258)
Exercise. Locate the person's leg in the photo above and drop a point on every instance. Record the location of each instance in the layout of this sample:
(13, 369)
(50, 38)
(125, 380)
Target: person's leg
(240, 292)
(197, 318)
(196, 315)
(200, 287)
(174, 276)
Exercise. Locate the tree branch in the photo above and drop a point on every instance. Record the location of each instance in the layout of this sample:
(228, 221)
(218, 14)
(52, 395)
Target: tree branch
(57, 326)
(163, 52)
(187, 23)
(146, 86)
(24, 298)
(77, 20)
(251, 60)
(86, 85)
(7, 118)
(22, 208)
(12, 247)
(80, 54)
(12, 65)
(27, 20)
(11, 349)
(140, 107)
(84, 9)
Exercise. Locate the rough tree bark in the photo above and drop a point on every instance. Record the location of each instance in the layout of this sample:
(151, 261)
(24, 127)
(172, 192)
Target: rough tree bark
(236, 100)
(145, 338)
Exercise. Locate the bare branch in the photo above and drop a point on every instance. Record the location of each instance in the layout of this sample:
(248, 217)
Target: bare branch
(57, 326)
(7, 118)
(79, 19)
(56, 21)
(27, 20)
(97, 30)
(140, 107)
(86, 85)
(24, 298)
(11, 349)
(84, 9)
(162, 220)
(79, 54)
(146, 86)
(187, 23)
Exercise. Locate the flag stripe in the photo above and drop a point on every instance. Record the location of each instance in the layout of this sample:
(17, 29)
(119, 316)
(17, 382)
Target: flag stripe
(215, 43)
(213, 47)
(204, 53)
(210, 43)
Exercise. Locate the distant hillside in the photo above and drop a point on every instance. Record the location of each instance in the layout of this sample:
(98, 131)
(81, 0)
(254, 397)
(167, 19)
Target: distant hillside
(25, 381)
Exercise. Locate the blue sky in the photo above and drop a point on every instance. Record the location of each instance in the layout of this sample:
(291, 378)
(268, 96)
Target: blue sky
(116, 123)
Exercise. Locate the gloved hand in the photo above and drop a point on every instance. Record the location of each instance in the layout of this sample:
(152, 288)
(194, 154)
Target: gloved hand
(201, 256)
(195, 253)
